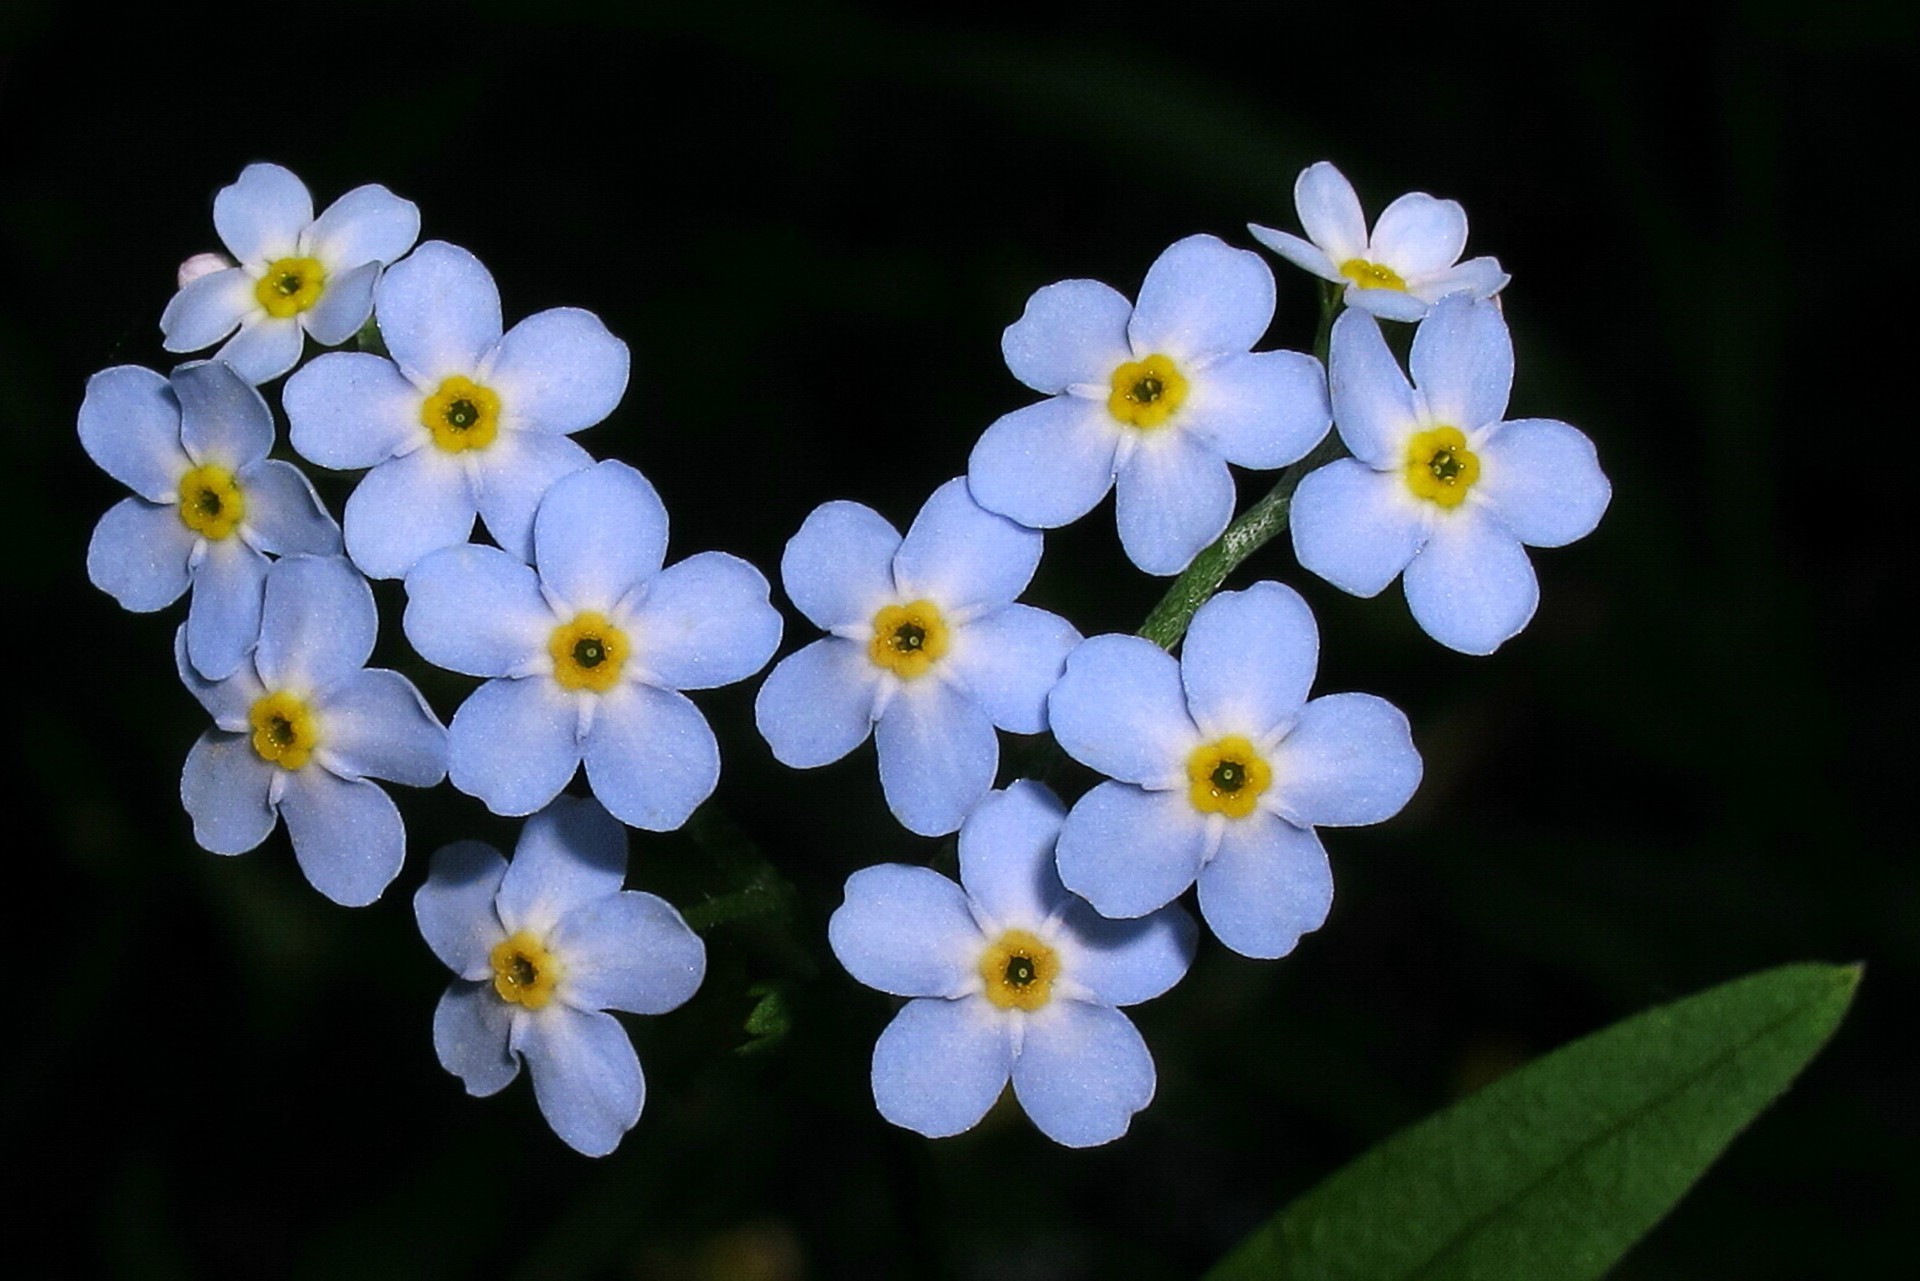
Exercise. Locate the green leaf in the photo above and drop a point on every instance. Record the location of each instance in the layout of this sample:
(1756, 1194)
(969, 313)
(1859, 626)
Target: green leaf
(1557, 1168)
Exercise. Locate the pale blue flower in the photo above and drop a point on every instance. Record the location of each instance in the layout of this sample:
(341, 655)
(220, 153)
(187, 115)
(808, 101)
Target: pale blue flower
(463, 419)
(542, 947)
(1220, 769)
(927, 651)
(1440, 485)
(1409, 262)
(1152, 400)
(301, 729)
(586, 652)
(210, 504)
(1010, 977)
(297, 274)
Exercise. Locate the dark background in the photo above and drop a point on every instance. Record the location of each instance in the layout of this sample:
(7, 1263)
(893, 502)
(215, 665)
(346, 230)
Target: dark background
(811, 224)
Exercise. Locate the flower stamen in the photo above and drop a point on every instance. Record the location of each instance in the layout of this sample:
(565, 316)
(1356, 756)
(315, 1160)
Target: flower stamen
(1146, 393)
(290, 286)
(524, 971)
(588, 653)
(212, 504)
(461, 414)
(1018, 971)
(285, 731)
(1440, 468)
(908, 639)
(1227, 777)
(1372, 275)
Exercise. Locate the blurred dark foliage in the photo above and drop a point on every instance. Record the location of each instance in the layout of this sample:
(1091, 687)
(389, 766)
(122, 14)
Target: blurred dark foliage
(811, 222)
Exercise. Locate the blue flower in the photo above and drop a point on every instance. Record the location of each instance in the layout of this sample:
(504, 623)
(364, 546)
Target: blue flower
(543, 947)
(1010, 976)
(301, 729)
(928, 652)
(1409, 262)
(463, 419)
(1439, 485)
(586, 651)
(210, 503)
(296, 274)
(1152, 400)
(1221, 769)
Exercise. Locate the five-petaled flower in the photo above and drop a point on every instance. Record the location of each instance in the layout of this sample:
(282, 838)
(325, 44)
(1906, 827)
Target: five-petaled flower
(210, 503)
(586, 652)
(1409, 262)
(301, 728)
(1010, 976)
(1219, 769)
(1439, 484)
(928, 650)
(542, 947)
(297, 274)
(463, 419)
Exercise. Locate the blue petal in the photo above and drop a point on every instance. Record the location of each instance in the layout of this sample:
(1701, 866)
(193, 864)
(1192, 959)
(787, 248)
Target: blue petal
(1462, 362)
(585, 1075)
(284, 514)
(228, 701)
(1543, 479)
(207, 310)
(1471, 587)
(378, 726)
(1480, 277)
(351, 409)
(454, 909)
(1260, 409)
(1330, 212)
(1009, 660)
(1372, 400)
(477, 610)
(471, 1027)
(1048, 464)
(1248, 660)
(1348, 760)
(1202, 297)
(629, 951)
(1082, 1073)
(368, 224)
(1268, 885)
(405, 508)
(1071, 332)
(600, 533)
(514, 744)
(570, 855)
(962, 556)
(225, 787)
(938, 754)
(138, 554)
(817, 705)
(1418, 234)
(265, 347)
(1173, 496)
(347, 834)
(222, 419)
(262, 213)
(1128, 851)
(224, 616)
(1006, 857)
(130, 427)
(940, 1065)
(1303, 254)
(514, 474)
(1356, 527)
(558, 371)
(439, 312)
(907, 931)
(651, 757)
(705, 622)
(344, 306)
(1126, 962)
(319, 625)
(838, 569)
(1120, 709)
(1387, 304)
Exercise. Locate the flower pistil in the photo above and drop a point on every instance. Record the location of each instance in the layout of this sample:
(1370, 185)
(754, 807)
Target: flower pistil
(908, 639)
(461, 414)
(1227, 777)
(1440, 467)
(1018, 971)
(1147, 392)
(285, 731)
(212, 504)
(290, 286)
(588, 653)
(524, 971)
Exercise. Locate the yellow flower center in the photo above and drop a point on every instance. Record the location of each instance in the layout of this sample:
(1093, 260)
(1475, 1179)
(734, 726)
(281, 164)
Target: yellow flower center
(908, 639)
(1018, 971)
(1372, 275)
(290, 286)
(1227, 777)
(285, 731)
(1440, 467)
(212, 504)
(461, 415)
(524, 972)
(588, 652)
(1147, 392)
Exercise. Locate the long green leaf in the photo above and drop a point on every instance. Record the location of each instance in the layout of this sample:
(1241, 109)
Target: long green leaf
(1556, 1169)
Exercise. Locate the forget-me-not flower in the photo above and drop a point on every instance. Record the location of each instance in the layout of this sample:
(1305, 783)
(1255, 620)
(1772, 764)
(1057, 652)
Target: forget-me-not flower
(586, 651)
(296, 274)
(210, 504)
(542, 948)
(1220, 768)
(927, 651)
(301, 729)
(1410, 260)
(464, 419)
(1010, 976)
(1440, 485)
(1151, 400)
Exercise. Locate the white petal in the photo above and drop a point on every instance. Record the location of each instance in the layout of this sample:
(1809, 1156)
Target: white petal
(1330, 212)
(1418, 235)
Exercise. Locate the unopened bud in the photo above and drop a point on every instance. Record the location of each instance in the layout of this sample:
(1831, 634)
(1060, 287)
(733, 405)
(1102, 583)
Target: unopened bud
(202, 265)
